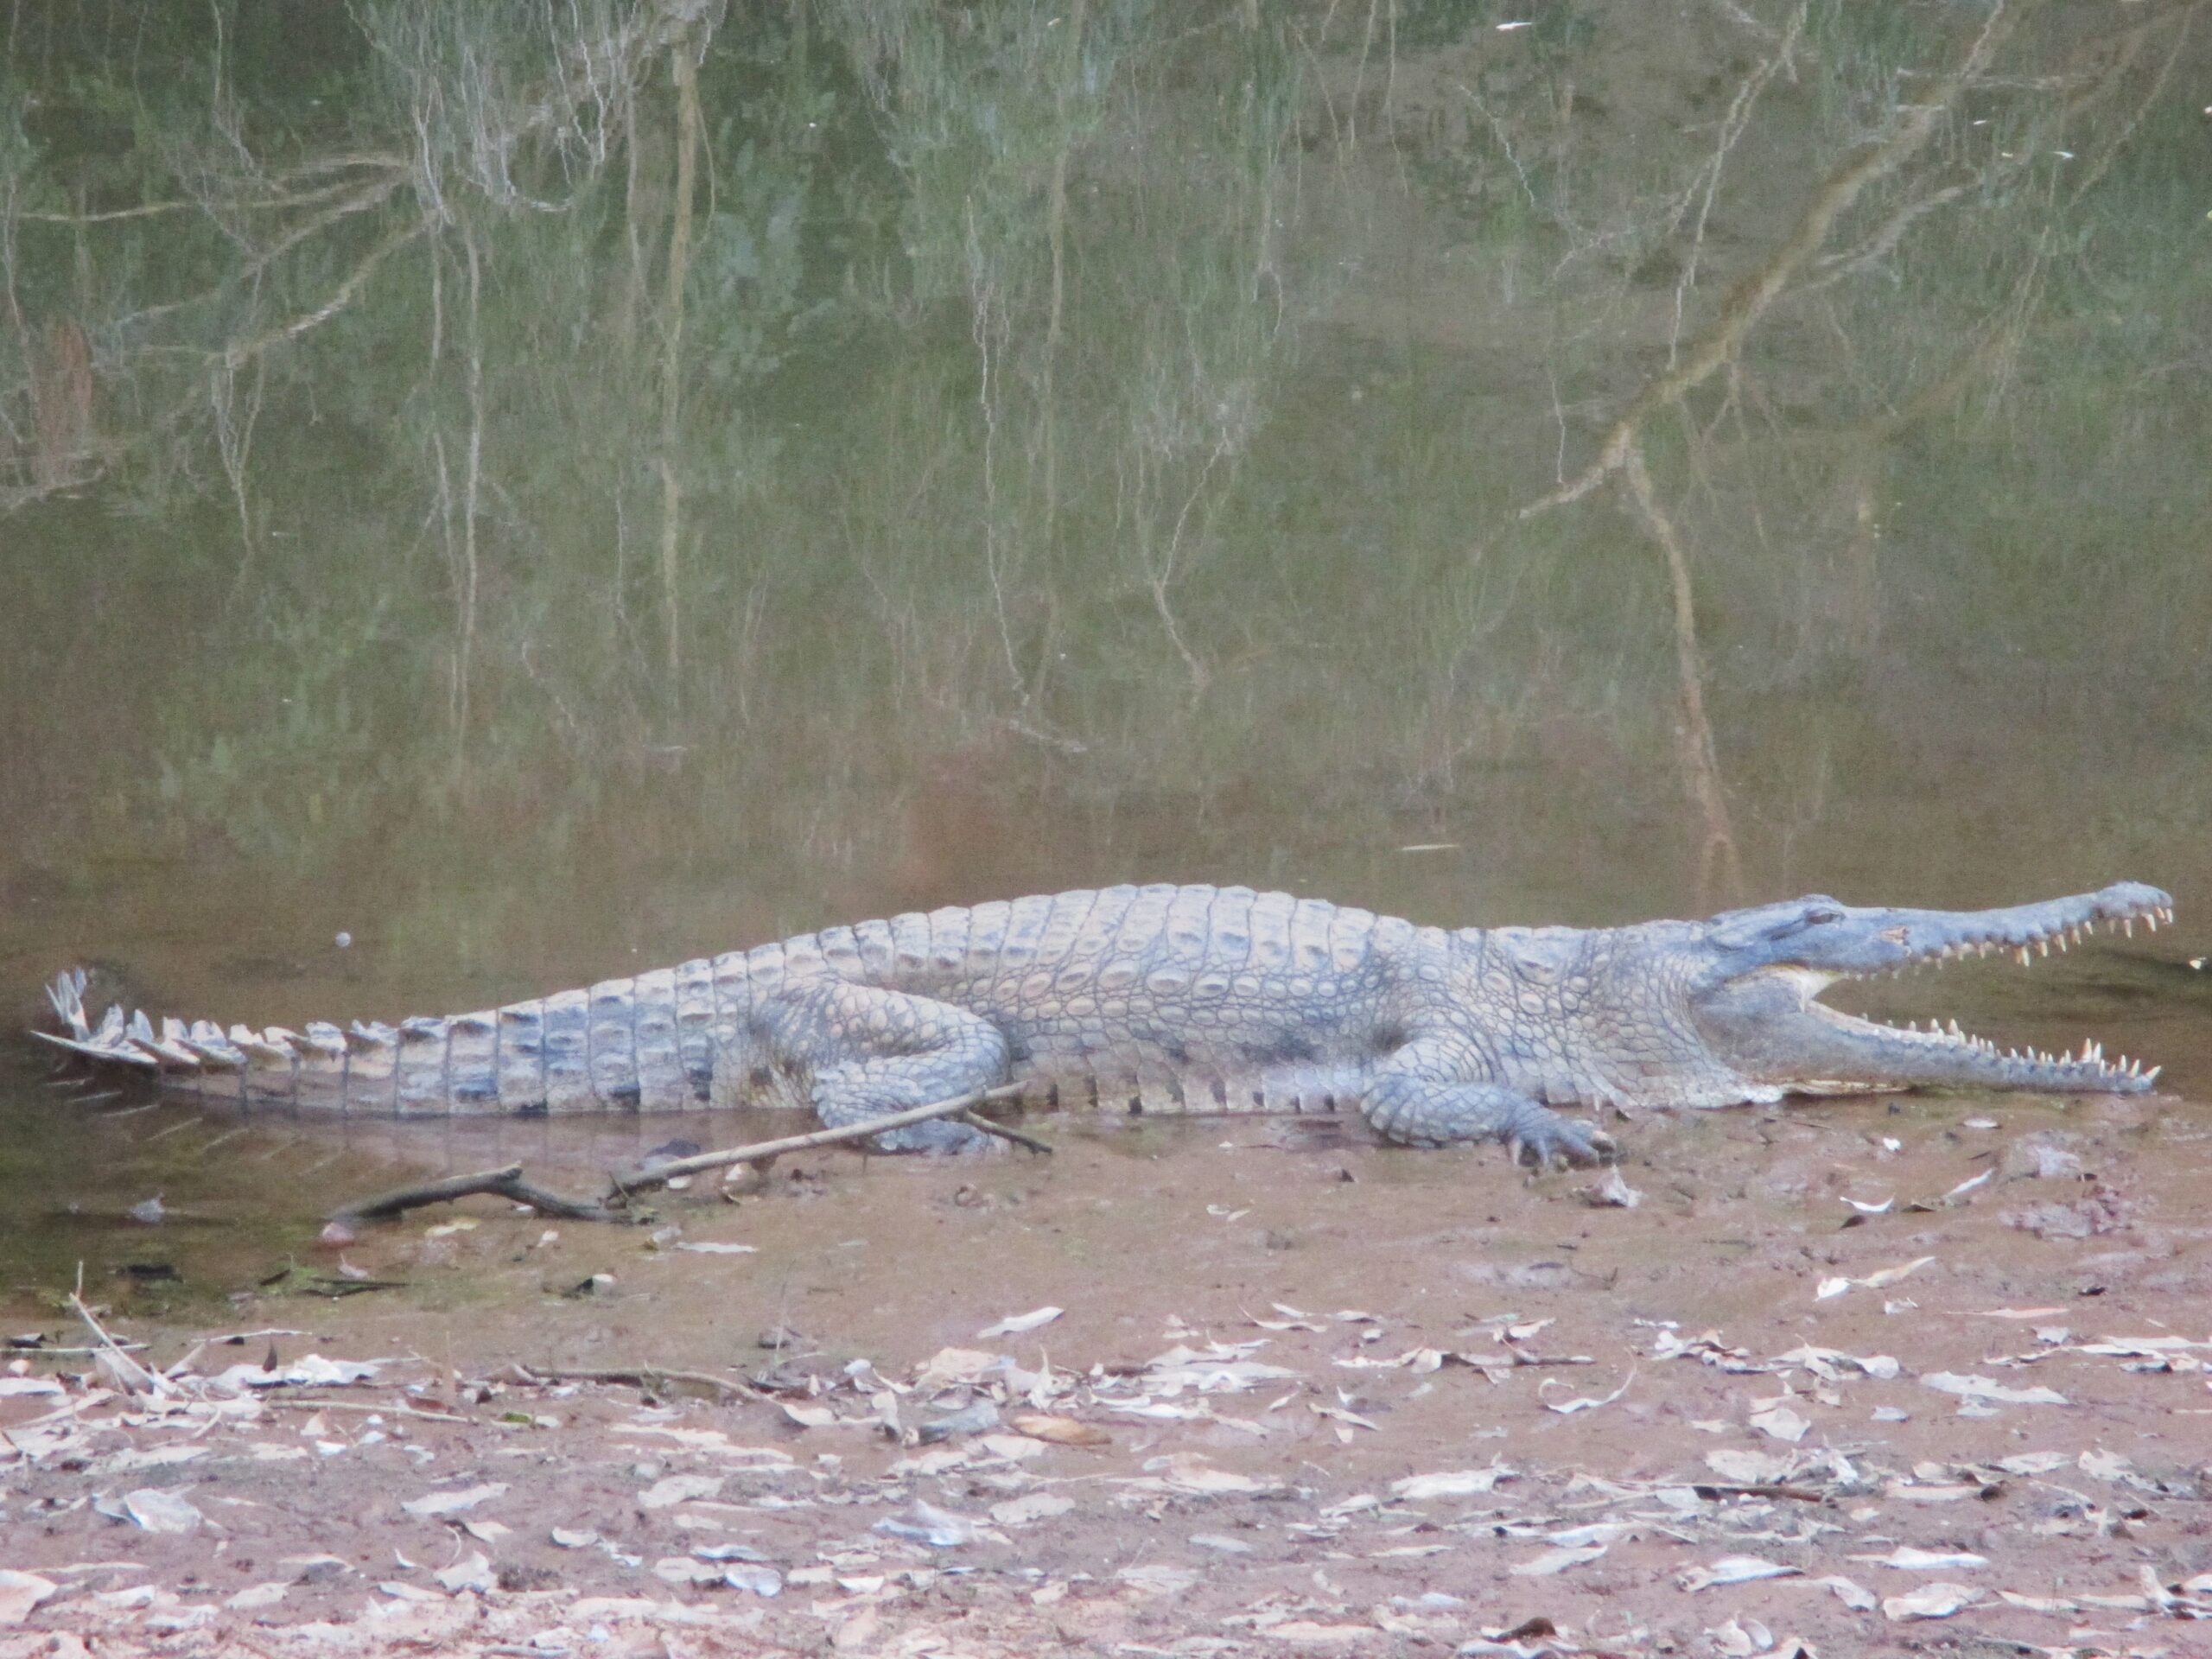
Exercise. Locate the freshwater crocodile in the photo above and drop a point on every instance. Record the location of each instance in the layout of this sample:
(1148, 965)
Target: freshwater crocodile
(1182, 1000)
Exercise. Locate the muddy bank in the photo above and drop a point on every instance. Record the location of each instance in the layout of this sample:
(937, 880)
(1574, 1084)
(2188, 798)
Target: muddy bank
(1859, 1374)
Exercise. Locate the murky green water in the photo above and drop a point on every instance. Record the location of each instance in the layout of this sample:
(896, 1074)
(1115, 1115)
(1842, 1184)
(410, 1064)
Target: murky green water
(1078, 444)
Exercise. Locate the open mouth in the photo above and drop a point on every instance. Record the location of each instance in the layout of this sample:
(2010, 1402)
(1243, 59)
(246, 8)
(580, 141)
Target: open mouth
(1943, 1052)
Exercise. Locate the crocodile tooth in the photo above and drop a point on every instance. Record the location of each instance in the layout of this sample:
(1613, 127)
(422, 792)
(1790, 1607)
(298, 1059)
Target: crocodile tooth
(2127, 925)
(2151, 921)
(2043, 947)
(2022, 955)
(2062, 944)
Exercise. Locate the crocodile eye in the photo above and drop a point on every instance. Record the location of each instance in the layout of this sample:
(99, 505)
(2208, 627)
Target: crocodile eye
(1816, 912)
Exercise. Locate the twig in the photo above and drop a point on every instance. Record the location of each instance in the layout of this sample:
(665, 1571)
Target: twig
(637, 1181)
(552, 1204)
(978, 1120)
(505, 1182)
(646, 1377)
(136, 1376)
(401, 1200)
(388, 1408)
(1710, 1490)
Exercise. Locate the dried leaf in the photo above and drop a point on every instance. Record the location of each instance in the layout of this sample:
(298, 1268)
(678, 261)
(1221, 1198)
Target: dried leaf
(1852, 1594)
(1971, 1184)
(1339, 1414)
(1830, 1362)
(925, 1523)
(2039, 1604)
(1061, 1431)
(1554, 1561)
(1777, 1422)
(1458, 1483)
(1937, 1600)
(1035, 1506)
(1015, 1323)
(1875, 1281)
(1160, 1580)
(20, 1592)
(1187, 1471)
(1733, 1569)
(1589, 1402)
(1907, 1559)
(671, 1490)
(682, 1570)
(948, 1365)
(1305, 1632)
(155, 1510)
(1612, 1192)
(452, 1503)
(1983, 1387)
(472, 1571)
(2034, 1463)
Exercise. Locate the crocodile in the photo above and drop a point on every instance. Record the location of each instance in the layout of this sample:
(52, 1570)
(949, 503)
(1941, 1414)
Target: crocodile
(1186, 1000)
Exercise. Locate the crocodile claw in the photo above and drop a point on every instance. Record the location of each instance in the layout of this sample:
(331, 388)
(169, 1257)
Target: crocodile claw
(1541, 1142)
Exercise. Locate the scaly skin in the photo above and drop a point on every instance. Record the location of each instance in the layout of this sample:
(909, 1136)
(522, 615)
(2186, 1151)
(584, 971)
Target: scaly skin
(1193, 999)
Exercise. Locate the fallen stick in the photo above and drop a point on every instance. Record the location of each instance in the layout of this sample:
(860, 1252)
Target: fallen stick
(384, 1205)
(975, 1120)
(505, 1182)
(643, 1179)
(645, 1377)
(135, 1379)
(381, 1408)
(1711, 1490)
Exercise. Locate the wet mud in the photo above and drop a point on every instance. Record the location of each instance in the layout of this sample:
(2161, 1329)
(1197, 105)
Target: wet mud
(1864, 1375)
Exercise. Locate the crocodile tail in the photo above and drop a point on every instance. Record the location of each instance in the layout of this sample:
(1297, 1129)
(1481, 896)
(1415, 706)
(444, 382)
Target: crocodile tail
(624, 1045)
(320, 1069)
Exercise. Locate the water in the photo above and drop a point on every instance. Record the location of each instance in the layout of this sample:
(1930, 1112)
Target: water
(1100, 451)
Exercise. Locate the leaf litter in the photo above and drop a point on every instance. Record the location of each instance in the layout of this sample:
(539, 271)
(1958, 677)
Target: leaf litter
(1285, 1482)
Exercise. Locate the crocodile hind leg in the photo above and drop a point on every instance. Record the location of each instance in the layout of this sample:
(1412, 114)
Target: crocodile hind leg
(867, 1052)
(1423, 1096)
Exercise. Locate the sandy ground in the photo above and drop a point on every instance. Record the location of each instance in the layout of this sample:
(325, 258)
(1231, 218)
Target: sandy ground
(1871, 1376)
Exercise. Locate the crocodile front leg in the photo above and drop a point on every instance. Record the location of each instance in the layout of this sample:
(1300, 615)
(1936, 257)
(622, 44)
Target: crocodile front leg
(1431, 1092)
(867, 1052)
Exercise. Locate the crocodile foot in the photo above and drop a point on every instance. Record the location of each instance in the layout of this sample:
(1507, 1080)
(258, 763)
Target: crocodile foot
(1542, 1138)
(937, 1135)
